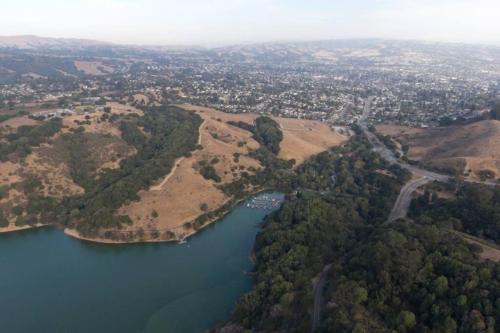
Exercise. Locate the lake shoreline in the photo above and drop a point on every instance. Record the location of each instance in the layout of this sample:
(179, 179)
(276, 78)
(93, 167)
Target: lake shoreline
(140, 287)
(73, 233)
(101, 240)
(15, 228)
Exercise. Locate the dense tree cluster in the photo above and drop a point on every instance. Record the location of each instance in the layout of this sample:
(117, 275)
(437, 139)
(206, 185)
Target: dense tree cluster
(208, 172)
(268, 133)
(25, 137)
(171, 133)
(475, 210)
(3, 220)
(132, 134)
(495, 112)
(265, 131)
(412, 278)
(401, 277)
(339, 197)
(54, 68)
(388, 141)
(80, 165)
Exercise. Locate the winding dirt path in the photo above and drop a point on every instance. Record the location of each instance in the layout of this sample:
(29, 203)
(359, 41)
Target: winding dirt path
(490, 250)
(177, 162)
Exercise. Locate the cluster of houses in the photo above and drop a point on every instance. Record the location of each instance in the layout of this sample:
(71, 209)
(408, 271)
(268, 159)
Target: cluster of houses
(87, 106)
(57, 113)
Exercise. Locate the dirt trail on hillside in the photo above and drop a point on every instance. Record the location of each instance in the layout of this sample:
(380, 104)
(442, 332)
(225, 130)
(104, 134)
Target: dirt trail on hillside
(177, 163)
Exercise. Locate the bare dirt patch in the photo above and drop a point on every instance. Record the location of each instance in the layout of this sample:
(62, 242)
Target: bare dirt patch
(13, 228)
(124, 108)
(8, 173)
(326, 56)
(488, 252)
(81, 117)
(14, 123)
(93, 67)
(395, 130)
(141, 98)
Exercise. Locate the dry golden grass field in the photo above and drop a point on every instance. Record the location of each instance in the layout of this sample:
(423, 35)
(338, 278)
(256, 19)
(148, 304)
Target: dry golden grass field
(182, 195)
(467, 148)
(49, 162)
(179, 197)
(93, 67)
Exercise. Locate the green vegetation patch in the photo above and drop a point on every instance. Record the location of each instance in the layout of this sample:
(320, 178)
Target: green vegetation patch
(475, 210)
(412, 278)
(26, 137)
(265, 131)
(208, 172)
(173, 133)
(334, 200)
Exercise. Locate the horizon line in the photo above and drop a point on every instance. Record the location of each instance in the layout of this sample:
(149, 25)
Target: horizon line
(217, 44)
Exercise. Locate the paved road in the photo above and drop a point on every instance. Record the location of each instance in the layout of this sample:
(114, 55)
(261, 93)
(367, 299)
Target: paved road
(318, 298)
(423, 176)
(402, 204)
(388, 155)
(403, 201)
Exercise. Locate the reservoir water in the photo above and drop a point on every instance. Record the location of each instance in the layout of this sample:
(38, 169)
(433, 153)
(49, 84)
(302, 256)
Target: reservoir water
(50, 282)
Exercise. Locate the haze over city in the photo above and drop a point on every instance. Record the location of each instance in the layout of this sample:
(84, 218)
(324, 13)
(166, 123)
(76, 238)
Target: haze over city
(222, 22)
(264, 166)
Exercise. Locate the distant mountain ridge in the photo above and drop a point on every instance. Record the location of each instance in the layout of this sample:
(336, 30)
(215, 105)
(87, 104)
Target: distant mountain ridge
(323, 50)
(35, 42)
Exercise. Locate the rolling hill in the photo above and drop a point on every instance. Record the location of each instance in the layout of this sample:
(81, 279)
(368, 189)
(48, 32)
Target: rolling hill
(471, 149)
(110, 174)
(31, 42)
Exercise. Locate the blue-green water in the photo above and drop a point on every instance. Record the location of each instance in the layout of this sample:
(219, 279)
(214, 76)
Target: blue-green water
(52, 283)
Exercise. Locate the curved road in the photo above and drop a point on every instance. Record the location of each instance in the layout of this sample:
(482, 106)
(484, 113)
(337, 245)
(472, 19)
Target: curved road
(402, 204)
(318, 298)
(403, 201)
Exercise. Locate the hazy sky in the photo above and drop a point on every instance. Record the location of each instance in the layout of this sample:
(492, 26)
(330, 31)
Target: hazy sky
(232, 21)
